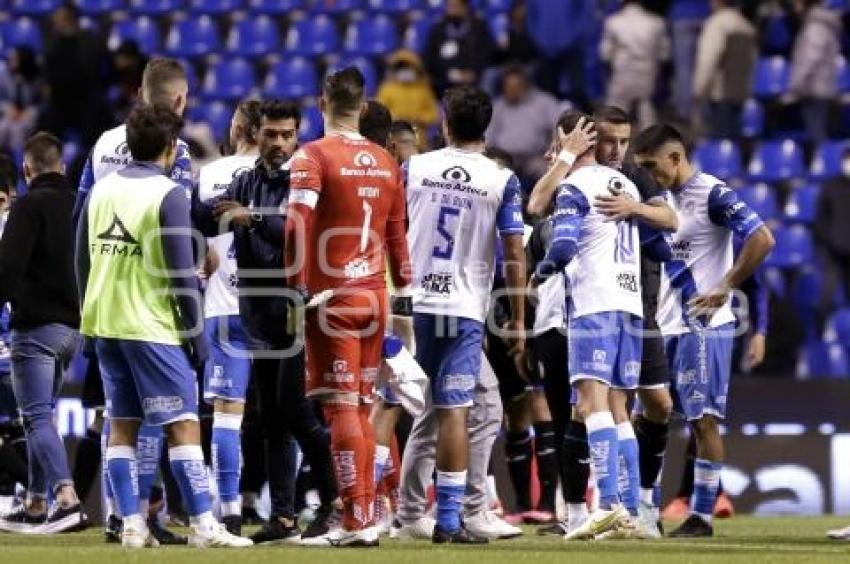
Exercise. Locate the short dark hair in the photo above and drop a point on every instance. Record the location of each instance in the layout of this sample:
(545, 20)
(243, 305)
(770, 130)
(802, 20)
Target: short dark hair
(250, 112)
(468, 112)
(499, 155)
(376, 122)
(344, 90)
(568, 120)
(514, 70)
(654, 137)
(159, 74)
(280, 109)
(150, 130)
(44, 151)
(402, 126)
(612, 114)
(8, 173)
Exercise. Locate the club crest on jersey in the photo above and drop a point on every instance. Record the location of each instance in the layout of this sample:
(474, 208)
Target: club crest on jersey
(117, 241)
(615, 184)
(365, 159)
(456, 174)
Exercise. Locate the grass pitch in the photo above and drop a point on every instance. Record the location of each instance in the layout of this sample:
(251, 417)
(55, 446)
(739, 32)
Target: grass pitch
(739, 540)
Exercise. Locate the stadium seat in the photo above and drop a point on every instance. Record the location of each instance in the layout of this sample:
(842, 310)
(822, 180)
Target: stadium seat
(762, 199)
(719, 158)
(312, 37)
(215, 7)
(156, 7)
(794, 247)
(826, 162)
(821, 360)
(191, 75)
(193, 37)
(34, 7)
(312, 124)
(216, 114)
(776, 34)
(752, 119)
(372, 36)
(416, 34)
(229, 79)
(366, 66)
(775, 161)
(275, 7)
(499, 25)
(801, 205)
(843, 74)
(22, 32)
(335, 6)
(143, 30)
(99, 7)
(771, 77)
(394, 6)
(294, 77)
(775, 280)
(838, 328)
(252, 37)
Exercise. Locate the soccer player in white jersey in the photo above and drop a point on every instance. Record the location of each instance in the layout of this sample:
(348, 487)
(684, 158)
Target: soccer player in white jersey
(164, 84)
(227, 374)
(458, 200)
(694, 311)
(601, 263)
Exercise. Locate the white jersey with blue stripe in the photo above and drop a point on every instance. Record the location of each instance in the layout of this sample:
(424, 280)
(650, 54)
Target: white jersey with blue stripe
(710, 214)
(220, 297)
(604, 273)
(457, 202)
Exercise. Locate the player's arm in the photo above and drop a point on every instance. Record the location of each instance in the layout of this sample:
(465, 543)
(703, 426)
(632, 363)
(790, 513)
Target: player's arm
(758, 306)
(175, 220)
(16, 247)
(571, 207)
(181, 172)
(305, 188)
(579, 140)
(654, 243)
(652, 211)
(85, 186)
(511, 228)
(398, 258)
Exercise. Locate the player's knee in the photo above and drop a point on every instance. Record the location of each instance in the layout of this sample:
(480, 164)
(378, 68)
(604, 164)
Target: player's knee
(657, 405)
(706, 427)
(184, 432)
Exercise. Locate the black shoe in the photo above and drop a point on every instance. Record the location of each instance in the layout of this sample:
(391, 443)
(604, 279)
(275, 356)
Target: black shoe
(163, 535)
(558, 529)
(693, 527)
(461, 536)
(326, 519)
(19, 521)
(233, 524)
(660, 526)
(251, 517)
(65, 520)
(277, 532)
(112, 532)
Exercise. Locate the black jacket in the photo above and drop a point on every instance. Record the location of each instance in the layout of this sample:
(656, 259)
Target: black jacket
(259, 247)
(37, 256)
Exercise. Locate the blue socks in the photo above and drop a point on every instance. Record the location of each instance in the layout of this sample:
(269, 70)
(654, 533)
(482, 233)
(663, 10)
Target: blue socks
(190, 473)
(629, 476)
(226, 455)
(123, 475)
(451, 487)
(706, 484)
(604, 450)
(148, 452)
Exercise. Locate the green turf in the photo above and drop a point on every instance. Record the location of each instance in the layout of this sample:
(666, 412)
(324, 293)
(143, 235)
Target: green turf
(740, 540)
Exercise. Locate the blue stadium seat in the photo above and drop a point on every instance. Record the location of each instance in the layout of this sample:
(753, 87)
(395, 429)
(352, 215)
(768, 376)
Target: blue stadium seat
(34, 7)
(771, 77)
(312, 125)
(22, 32)
(294, 77)
(762, 199)
(838, 328)
(275, 7)
(774, 161)
(776, 283)
(394, 6)
(156, 7)
(821, 360)
(843, 77)
(373, 36)
(794, 247)
(143, 30)
(801, 205)
(720, 158)
(499, 25)
(313, 37)
(776, 34)
(366, 66)
(216, 114)
(215, 7)
(335, 6)
(191, 75)
(229, 79)
(496, 6)
(826, 162)
(416, 34)
(752, 119)
(98, 7)
(253, 37)
(193, 37)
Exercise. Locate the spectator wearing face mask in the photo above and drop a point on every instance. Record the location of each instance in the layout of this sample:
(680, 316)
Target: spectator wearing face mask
(832, 233)
(407, 93)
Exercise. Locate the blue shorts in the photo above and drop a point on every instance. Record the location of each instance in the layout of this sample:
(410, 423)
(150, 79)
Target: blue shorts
(228, 370)
(152, 382)
(605, 347)
(449, 351)
(700, 364)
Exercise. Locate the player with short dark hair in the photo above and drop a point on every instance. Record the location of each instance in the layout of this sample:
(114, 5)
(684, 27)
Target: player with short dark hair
(376, 123)
(404, 141)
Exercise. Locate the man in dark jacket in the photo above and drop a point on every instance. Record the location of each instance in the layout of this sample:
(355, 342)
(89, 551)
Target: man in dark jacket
(37, 277)
(252, 209)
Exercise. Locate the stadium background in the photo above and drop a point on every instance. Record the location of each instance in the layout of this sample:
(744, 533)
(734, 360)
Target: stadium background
(788, 431)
